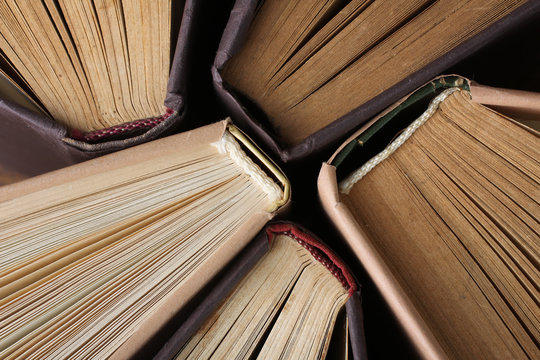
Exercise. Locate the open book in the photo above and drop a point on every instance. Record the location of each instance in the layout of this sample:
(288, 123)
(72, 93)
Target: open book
(97, 257)
(439, 200)
(84, 78)
(302, 74)
(299, 301)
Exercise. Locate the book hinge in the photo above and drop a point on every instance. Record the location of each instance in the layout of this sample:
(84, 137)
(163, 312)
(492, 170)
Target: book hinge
(269, 164)
(101, 135)
(319, 252)
(346, 185)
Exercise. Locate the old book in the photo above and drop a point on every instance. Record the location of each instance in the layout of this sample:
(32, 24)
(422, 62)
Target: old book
(303, 74)
(96, 76)
(295, 298)
(439, 200)
(97, 257)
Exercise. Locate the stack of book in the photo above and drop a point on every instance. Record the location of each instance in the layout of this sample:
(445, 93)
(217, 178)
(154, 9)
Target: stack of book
(134, 225)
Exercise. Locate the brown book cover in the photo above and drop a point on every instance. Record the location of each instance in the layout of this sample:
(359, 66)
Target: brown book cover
(32, 144)
(340, 165)
(243, 263)
(250, 120)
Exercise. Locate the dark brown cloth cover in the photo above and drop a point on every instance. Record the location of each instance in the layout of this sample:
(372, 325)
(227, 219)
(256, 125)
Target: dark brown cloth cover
(192, 318)
(235, 34)
(32, 144)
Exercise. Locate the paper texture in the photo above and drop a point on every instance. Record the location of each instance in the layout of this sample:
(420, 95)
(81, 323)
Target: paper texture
(181, 295)
(241, 266)
(204, 304)
(410, 319)
(354, 303)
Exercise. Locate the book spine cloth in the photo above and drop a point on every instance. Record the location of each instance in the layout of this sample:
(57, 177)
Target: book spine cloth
(31, 144)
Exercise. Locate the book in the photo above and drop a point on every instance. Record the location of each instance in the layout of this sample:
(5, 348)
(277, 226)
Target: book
(97, 257)
(302, 75)
(81, 80)
(438, 199)
(295, 297)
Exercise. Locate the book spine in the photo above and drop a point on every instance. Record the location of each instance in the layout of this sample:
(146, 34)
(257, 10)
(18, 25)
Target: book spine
(125, 129)
(320, 252)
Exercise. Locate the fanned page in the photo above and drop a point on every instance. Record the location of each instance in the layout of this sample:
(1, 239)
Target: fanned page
(287, 306)
(93, 63)
(307, 63)
(87, 264)
(452, 207)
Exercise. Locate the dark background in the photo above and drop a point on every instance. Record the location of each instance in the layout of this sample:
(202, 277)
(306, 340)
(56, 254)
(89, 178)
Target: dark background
(513, 61)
